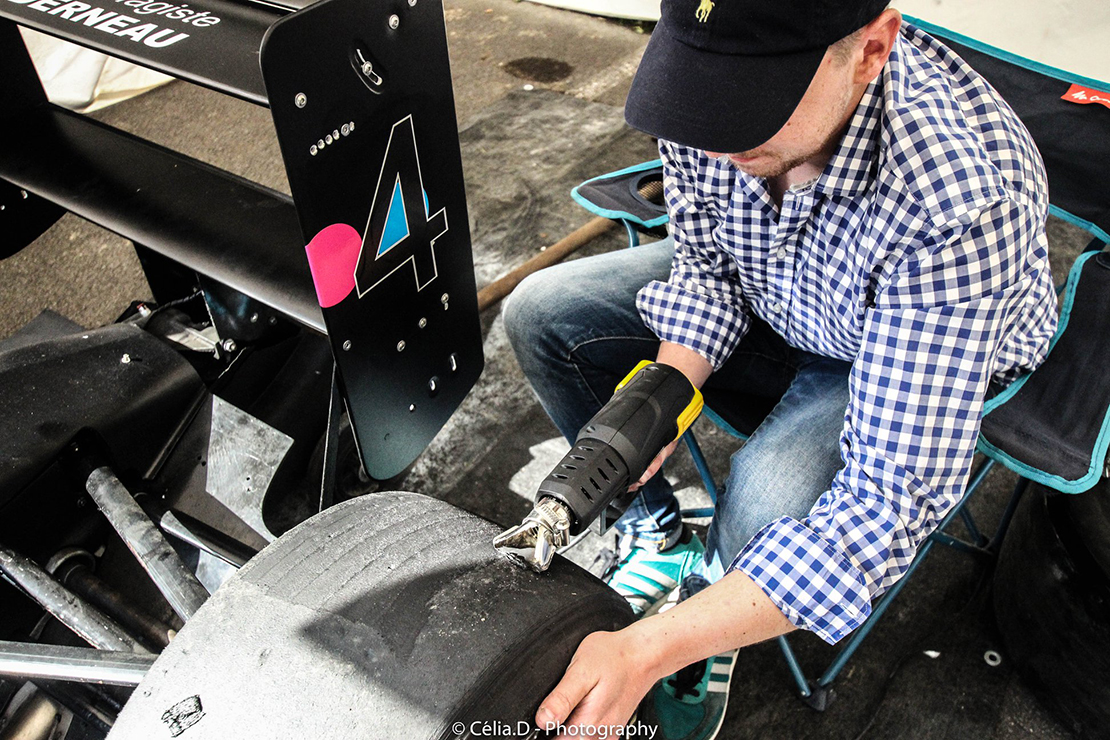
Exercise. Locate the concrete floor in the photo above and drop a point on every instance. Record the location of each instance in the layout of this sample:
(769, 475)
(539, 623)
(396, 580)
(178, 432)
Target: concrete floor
(522, 151)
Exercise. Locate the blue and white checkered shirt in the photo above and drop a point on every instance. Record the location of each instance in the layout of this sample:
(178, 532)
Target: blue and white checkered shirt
(919, 255)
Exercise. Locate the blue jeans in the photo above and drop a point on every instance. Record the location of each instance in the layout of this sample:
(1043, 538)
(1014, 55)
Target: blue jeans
(576, 332)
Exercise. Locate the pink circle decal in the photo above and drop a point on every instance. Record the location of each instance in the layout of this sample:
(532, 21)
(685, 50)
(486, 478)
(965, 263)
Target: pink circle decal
(332, 257)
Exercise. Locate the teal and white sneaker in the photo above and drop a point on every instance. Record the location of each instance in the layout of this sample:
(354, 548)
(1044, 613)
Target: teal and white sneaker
(645, 577)
(690, 704)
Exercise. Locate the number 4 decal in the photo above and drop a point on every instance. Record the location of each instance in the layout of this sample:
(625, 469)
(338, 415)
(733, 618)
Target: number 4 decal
(399, 229)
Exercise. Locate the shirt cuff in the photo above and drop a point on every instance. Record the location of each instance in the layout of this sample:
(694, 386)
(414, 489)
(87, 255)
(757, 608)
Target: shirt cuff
(708, 325)
(810, 580)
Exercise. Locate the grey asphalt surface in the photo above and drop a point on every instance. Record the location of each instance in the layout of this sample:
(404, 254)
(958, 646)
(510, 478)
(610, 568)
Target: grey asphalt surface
(522, 152)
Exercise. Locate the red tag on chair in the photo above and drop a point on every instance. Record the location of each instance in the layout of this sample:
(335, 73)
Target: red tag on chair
(1085, 96)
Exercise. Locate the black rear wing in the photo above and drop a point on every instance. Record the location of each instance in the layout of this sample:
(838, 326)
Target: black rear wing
(361, 98)
(214, 43)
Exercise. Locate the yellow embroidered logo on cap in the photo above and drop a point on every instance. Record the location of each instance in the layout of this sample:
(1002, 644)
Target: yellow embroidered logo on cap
(704, 9)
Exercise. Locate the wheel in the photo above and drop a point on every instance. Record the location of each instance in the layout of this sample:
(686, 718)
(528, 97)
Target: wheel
(387, 616)
(1052, 604)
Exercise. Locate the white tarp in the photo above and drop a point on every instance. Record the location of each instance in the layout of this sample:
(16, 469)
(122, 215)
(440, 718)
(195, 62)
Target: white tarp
(1073, 35)
(82, 79)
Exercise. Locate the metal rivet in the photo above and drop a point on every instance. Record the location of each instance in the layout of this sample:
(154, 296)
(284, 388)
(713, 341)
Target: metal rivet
(433, 386)
(394, 22)
(352, 125)
(345, 129)
(328, 139)
(992, 658)
(2, 207)
(444, 298)
(312, 150)
(301, 100)
(412, 407)
(401, 346)
(320, 144)
(454, 362)
(347, 346)
(254, 318)
(335, 134)
(412, 3)
(24, 194)
(126, 359)
(422, 323)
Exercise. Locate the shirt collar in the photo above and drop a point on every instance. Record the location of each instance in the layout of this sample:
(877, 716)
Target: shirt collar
(851, 169)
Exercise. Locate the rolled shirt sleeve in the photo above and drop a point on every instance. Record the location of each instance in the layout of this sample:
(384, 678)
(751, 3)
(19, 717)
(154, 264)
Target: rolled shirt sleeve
(700, 307)
(917, 389)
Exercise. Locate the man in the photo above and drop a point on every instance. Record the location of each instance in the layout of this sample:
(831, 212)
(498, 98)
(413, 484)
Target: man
(857, 227)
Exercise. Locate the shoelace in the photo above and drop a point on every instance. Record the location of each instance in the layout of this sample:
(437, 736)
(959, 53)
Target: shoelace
(605, 563)
(685, 681)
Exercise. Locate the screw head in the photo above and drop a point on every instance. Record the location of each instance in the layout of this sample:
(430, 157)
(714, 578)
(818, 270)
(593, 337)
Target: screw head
(347, 345)
(229, 345)
(401, 346)
(313, 150)
(422, 323)
(394, 22)
(301, 100)
(254, 318)
(346, 129)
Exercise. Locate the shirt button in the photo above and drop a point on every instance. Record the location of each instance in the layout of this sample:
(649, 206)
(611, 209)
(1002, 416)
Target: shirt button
(782, 253)
(775, 307)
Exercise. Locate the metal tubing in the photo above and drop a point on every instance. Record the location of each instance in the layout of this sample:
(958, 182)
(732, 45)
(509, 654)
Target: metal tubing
(30, 660)
(80, 699)
(972, 530)
(83, 618)
(1007, 515)
(85, 583)
(800, 680)
(943, 538)
(35, 719)
(177, 583)
(979, 476)
(706, 476)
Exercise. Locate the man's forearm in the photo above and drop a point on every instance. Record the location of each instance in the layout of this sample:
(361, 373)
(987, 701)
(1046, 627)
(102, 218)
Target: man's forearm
(693, 366)
(732, 613)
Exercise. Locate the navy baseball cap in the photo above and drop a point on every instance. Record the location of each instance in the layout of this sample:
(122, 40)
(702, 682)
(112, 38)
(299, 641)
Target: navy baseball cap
(725, 75)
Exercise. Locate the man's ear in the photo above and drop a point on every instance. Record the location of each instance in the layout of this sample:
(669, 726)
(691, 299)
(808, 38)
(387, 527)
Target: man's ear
(877, 39)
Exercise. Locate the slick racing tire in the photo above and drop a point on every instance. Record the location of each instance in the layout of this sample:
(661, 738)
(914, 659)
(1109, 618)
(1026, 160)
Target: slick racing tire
(388, 616)
(1052, 603)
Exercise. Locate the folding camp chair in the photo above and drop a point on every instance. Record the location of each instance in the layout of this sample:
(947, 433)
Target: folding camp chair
(1051, 426)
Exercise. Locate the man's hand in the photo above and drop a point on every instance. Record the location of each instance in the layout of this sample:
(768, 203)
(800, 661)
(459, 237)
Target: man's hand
(656, 464)
(608, 676)
(612, 671)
